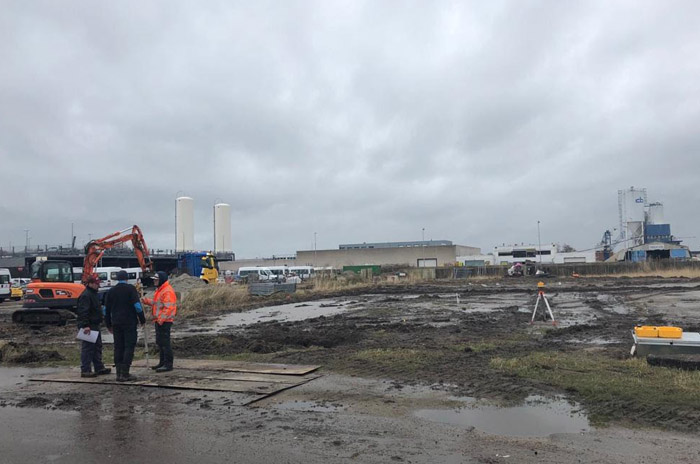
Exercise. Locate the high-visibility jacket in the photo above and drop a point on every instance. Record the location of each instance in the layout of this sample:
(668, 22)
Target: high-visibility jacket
(164, 304)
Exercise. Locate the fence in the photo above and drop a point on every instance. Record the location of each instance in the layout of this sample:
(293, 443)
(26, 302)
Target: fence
(582, 269)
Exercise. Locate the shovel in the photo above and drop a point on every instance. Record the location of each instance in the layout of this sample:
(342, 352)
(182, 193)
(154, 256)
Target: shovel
(139, 288)
(145, 342)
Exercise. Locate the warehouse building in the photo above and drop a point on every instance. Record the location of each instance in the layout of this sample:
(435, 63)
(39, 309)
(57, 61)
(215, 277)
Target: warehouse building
(429, 253)
(545, 254)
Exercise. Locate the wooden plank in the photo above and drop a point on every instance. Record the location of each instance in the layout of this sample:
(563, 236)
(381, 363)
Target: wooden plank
(242, 397)
(184, 374)
(238, 366)
(245, 377)
(161, 381)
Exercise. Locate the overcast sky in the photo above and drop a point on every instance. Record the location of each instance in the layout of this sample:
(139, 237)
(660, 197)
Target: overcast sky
(360, 121)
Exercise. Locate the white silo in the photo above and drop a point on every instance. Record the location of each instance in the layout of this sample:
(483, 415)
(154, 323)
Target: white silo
(631, 204)
(184, 224)
(656, 213)
(633, 201)
(222, 228)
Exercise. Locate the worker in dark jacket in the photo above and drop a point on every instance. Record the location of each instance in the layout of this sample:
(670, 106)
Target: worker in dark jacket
(123, 311)
(89, 319)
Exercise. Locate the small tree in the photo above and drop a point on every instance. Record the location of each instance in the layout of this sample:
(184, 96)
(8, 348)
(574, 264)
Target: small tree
(566, 248)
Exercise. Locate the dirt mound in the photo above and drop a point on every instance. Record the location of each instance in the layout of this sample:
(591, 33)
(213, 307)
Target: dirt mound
(269, 338)
(14, 353)
(688, 362)
(184, 282)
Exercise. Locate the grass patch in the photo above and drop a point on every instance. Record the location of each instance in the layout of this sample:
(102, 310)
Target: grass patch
(479, 347)
(403, 359)
(249, 356)
(631, 386)
(487, 345)
(214, 297)
(665, 273)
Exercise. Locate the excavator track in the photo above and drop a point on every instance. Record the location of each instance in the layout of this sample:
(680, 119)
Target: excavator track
(42, 316)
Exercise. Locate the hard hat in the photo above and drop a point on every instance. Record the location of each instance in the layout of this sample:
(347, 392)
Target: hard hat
(540, 284)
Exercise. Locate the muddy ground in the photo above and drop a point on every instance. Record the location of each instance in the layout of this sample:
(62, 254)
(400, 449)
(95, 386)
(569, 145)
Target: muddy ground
(402, 348)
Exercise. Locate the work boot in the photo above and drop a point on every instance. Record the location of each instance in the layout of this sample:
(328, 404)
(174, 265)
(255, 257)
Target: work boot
(164, 369)
(161, 361)
(126, 377)
(104, 371)
(120, 375)
(157, 366)
(88, 375)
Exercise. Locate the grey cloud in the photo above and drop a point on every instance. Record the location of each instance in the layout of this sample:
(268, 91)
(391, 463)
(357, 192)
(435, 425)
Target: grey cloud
(361, 121)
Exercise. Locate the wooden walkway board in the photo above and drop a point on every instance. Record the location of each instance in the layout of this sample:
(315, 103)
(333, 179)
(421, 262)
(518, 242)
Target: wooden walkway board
(238, 366)
(253, 383)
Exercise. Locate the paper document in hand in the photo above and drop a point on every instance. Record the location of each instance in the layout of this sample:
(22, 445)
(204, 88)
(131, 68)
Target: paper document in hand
(91, 337)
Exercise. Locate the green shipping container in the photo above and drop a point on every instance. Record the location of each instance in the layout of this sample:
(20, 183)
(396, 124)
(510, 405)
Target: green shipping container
(376, 269)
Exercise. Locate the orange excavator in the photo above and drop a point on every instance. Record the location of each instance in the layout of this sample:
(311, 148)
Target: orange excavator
(52, 296)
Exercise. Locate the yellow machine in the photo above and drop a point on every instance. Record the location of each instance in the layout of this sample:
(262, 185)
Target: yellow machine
(210, 269)
(16, 292)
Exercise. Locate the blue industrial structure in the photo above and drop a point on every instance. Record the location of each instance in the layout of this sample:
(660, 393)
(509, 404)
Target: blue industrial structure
(657, 233)
(644, 231)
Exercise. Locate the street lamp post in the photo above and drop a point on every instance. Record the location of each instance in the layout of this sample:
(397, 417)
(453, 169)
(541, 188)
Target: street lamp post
(539, 242)
(423, 245)
(315, 263)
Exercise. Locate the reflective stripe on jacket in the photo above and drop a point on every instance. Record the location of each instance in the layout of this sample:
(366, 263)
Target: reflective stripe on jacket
(164, 304)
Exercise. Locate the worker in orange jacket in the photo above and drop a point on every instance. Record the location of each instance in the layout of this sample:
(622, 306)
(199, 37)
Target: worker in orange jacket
(164, 308)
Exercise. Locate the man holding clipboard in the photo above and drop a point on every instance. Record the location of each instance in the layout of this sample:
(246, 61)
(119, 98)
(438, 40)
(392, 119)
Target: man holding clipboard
(89, 320)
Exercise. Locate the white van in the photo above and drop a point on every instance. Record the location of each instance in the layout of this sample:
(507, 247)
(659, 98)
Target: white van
(108, 276)
(304, 272)
(21, 282)
(135, 274)
(5, 291)
(78, 275)
(280, 272)
(263, 273)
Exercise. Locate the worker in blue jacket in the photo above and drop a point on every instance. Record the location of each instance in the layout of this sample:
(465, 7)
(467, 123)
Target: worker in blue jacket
(122, 313)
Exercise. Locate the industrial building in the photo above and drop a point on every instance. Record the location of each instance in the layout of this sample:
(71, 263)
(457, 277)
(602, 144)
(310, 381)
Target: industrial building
(411, 254)
(429, 253)
(545, 254)
(365, 245)
(652, 251)
(644, 232)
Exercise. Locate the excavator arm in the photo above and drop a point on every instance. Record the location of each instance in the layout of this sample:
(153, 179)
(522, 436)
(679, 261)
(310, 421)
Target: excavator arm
(96, 248)
(52, 293)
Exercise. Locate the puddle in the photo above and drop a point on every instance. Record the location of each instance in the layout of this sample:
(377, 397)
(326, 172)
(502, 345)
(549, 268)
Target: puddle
(538, 417)
(12, 376)
(280, 313)
(310, 406)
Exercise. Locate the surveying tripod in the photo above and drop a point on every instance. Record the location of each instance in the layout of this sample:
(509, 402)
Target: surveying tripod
(542, 296)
